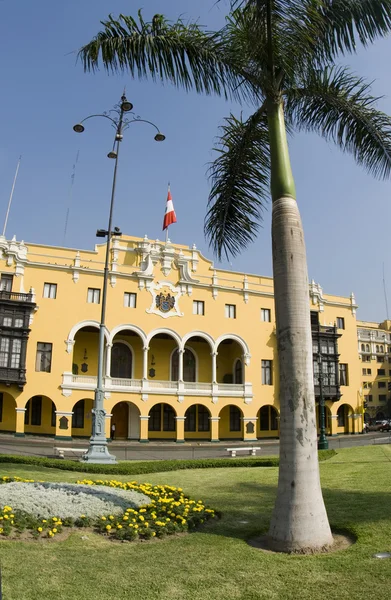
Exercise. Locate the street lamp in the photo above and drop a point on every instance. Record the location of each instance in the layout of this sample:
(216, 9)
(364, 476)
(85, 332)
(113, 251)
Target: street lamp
(322, 442)
(98, 451)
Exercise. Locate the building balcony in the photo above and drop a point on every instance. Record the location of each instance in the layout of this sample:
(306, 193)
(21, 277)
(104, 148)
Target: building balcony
(148, 386)
(16, 296)
(11, 376)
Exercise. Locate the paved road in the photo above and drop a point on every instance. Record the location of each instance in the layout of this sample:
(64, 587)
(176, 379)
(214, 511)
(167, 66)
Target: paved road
(35, 446)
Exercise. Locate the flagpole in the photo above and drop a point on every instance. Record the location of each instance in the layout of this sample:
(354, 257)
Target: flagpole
(12, 193)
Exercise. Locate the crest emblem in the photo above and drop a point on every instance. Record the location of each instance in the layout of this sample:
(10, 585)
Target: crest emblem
(165, 302)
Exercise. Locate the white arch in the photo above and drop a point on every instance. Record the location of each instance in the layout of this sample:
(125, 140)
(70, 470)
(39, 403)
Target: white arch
(200, 334)
(194, 353)
(129, 327)
(80, 325)
(131, 352)
(236, 338)
(169, 332)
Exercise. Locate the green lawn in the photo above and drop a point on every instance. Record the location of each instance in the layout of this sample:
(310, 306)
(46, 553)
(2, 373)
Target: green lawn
(217, 563)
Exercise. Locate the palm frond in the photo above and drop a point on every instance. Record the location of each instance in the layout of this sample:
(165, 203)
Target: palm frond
(338, 105)
(240, 184)
(322, 29)
(183, 53)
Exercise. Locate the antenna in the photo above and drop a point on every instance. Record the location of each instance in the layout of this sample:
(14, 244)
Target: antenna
(385, 292)
(70, 195)
(12, 193)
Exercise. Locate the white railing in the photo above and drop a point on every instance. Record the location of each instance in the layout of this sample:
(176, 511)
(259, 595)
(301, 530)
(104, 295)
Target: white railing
(70, 381)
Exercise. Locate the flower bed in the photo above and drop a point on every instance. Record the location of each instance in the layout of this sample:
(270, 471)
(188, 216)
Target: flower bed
(123, 511)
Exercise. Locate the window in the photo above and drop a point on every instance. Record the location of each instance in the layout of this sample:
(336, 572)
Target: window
(155, 418)
(382, 349)
(6, 283)
(341, 414)
(130, 300)
(93, 296)
(4, 351)
(18, 322)
(238, 371)
(33, 413)
(369, 397)
(7, 321)
(203, 418)
(381, 384)
(1, 406)
(198, 307)
(121, 361)
(367, 371)
(377, 348)
(366, 347)
(380, 359)
(78, 415)
(15, 355)
(10, 350)
(44, 357)
(381, 371)
(230, 311)
(382, 397)
(191, 418)
(53, 419)
(168, 418)
(343, 374)
(340, 323)
(268, 418)
(267, 372)
(197, 418)
(367, 385)
(362, 347)
(234, 418)
(266, 315)
(50, 290)
(189, 365)
(366, 358)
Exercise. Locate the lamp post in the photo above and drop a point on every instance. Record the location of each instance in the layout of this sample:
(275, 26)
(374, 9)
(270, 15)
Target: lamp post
(322, 442)
(98, 451)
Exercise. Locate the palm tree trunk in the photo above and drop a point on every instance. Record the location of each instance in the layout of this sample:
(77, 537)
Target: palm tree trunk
(299, 521)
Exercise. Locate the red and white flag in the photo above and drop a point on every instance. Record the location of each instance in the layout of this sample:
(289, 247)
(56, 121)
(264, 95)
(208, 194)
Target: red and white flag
(169, 215)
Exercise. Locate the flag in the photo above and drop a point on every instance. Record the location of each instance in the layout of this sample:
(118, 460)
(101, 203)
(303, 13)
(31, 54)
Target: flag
(169, 215)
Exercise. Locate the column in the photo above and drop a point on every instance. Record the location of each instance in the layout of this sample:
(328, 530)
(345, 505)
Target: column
(214, 429)
(108, 426)
(357, 423)
(214, 366)
(144, 430)
(63, 425)
(145, 362)
(180, 364)
(19, 431)
(180, 430)
(250, 429)
(108, 359)
(334, 424)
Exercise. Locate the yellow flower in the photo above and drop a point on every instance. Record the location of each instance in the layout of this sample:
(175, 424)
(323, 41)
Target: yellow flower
(119, 526)
(54, 519)
(141, 517)
(125, 518)
(44, 521)
(108, 527)
(50, 534)
(153, 534)
(12, 516)
(54, 530)
(39, 529)
(5, 516)
(111, 517)
(103, 518)
(1, 530)
(82, 516)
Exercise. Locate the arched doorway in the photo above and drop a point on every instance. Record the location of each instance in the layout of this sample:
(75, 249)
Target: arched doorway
(267, 421)
(162, 422)
(189, 365)
(231, 422)
(82, 418)
(121, 361)
(40, 416)
(344, 422)
(197, 422)
(229, 364)
(126, 418)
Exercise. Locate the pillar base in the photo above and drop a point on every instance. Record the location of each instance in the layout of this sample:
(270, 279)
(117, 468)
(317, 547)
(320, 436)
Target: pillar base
(17, 434)
(98, 454)
(179, 441)
(215, 441)
(144, 441)
(63, 438)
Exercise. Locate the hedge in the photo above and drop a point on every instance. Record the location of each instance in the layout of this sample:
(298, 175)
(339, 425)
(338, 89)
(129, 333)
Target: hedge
(141, 468)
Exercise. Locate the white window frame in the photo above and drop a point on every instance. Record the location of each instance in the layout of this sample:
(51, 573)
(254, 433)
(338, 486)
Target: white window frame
(198, 307)
(340, 323)
(267, 372)
(93, 296)
(130, 299)
(41, 352)
(6, 282)
(230, 311)
(50, 290)
(266, 315)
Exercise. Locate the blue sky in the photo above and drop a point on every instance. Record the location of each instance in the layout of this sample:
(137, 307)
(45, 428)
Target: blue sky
(346, 213)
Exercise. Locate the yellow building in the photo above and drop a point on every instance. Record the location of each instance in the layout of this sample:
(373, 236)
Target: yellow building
(374, 348)
(190, 350)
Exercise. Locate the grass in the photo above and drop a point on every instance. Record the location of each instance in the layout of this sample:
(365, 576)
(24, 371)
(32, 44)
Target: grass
(216, 563)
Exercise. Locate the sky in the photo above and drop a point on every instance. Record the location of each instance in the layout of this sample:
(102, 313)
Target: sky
(44, 92)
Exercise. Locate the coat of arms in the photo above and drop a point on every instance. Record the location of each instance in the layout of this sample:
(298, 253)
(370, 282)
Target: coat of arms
(165, 302)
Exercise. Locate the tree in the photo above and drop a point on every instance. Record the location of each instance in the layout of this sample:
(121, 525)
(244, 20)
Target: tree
(279, 57)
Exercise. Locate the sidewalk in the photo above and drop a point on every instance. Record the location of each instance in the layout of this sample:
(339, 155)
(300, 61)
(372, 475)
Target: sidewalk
(133, 450)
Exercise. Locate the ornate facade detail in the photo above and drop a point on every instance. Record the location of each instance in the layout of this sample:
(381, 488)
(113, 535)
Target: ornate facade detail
(316, 294)
(245, 289)
(165, 297)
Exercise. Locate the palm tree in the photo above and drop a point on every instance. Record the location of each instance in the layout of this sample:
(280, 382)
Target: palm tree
(279, 57)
